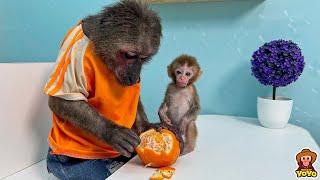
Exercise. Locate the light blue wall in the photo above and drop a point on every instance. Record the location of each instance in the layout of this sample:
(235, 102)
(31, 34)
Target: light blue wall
(222, 35)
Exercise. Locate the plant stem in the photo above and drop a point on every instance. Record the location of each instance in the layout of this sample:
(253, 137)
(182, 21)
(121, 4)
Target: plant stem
(274, 93)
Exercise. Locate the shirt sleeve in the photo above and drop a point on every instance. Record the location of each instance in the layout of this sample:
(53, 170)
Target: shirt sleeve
(68, 80)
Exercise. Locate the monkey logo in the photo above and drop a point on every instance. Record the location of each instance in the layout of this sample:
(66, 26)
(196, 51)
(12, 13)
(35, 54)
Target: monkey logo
(305, 159)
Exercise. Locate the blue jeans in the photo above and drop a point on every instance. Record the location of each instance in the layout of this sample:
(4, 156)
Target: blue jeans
(65, 167)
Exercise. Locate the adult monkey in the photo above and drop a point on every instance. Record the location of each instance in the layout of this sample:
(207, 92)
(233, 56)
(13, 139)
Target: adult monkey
(94, 91)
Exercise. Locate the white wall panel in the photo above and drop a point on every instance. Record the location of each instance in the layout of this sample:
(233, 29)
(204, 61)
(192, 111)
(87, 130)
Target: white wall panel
(24, 115)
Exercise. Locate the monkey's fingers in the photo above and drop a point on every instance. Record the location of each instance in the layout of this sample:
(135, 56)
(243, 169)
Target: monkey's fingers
(126, 145)
(134, 138)
(131, 137)
(176, 132)
(167, 121)
(155, 126)
(122, 150)
(182, 129)
(132, 141)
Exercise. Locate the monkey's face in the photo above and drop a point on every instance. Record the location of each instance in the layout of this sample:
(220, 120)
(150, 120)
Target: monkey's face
(306, 160)
(128, 63)
(126, 59)
(183, 75)
(125, 36)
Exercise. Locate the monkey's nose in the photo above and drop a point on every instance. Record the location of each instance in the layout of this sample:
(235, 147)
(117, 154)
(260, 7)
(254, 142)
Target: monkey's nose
(182, 78)
(133, 80)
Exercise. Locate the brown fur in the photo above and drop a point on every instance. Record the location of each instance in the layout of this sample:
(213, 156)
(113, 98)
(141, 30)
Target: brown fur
(128, 24)
(125, 26)
(180, 61)
(181, 106)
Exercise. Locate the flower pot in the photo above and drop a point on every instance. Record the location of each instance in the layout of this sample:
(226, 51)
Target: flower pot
(274, 113)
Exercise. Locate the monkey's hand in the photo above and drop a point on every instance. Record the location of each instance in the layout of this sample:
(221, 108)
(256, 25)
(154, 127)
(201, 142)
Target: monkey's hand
(159, 126)
(163, 114)
(166, 120)
(122, 139)
(183, 125)
(86, 117)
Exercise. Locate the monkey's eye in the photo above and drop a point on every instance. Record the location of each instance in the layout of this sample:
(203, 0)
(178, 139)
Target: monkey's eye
(188, 74)
(178, 72)
(144, 58)
(130, 55)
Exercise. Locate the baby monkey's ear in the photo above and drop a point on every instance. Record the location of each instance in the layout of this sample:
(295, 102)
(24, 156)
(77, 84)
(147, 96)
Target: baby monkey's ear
(171, 72)
(196, 76)
(200, 73)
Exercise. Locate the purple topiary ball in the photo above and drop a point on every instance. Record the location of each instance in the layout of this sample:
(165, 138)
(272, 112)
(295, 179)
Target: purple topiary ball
(277, 63)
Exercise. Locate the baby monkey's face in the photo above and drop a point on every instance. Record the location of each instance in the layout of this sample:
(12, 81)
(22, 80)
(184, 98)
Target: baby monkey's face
(306, 160)
(183, 75)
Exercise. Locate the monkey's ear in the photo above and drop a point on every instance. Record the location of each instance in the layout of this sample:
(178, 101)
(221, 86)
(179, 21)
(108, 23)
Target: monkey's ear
(200, 73)
(196, 77)
(169, 71)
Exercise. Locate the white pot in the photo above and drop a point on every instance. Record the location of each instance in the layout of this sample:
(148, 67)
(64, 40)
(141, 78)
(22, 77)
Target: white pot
(274, 114)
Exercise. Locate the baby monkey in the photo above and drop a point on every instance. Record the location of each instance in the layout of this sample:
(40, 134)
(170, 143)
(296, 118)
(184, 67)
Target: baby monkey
(181, 104)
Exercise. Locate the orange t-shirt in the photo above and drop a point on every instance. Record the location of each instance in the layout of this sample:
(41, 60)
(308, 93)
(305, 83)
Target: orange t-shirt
(81, 75)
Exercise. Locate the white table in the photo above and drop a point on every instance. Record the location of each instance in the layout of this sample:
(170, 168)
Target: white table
(234, 148)
(37, 171)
